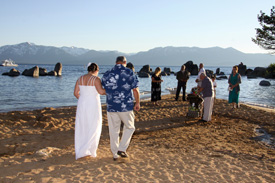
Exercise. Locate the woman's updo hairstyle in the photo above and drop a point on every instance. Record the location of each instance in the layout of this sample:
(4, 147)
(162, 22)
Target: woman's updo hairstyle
(92, 67)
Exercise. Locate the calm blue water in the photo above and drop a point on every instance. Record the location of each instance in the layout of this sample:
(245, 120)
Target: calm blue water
(27, 93)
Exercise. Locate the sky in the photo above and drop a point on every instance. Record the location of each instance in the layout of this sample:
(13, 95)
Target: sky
(131, 26)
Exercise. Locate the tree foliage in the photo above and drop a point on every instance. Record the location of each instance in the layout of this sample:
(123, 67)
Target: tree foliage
(270, 71)
(265, 36)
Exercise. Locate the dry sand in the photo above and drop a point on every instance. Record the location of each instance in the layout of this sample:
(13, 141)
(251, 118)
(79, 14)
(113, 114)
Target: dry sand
(167, 146)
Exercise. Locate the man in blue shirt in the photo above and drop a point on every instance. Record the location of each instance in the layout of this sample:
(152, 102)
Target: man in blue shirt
(119, 82)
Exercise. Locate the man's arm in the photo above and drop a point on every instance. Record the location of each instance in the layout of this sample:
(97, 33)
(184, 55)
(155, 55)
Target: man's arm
(136, 95)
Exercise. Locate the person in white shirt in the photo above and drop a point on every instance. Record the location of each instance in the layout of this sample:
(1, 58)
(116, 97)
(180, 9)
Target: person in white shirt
(201, 70)
(213, 78)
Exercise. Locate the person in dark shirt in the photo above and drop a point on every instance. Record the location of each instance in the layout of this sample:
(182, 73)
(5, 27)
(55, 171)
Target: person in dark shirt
(156, 86)
(182, 77)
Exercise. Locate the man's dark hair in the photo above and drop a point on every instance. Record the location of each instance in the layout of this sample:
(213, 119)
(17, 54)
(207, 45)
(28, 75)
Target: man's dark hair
(120, 59)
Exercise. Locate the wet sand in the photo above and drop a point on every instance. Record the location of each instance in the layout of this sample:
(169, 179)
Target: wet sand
(167, 146)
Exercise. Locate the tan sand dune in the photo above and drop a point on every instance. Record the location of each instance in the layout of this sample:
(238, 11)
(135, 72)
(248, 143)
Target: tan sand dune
(38, 146)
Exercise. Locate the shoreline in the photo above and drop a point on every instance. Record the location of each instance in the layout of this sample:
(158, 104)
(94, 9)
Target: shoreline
(147, 98)
(167, 146)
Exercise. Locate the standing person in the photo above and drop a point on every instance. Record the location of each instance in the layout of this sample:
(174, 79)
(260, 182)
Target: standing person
(213, 78)
(182, 77)
(201, 70)
(234, 82)
(118, 83)
(88, 120)
(156, 86)
(208, 96)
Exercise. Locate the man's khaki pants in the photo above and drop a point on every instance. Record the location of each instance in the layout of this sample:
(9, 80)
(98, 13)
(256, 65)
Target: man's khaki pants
(114, 122)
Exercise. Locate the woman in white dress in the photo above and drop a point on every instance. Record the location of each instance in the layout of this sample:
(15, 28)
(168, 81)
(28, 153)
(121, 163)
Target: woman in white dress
(88, 121)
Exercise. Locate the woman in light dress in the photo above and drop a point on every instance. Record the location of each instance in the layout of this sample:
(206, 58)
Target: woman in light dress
(88, 121)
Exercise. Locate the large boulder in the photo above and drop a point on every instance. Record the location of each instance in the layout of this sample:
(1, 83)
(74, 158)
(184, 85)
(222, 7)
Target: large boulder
(192, 68)
(242, 69)
(209, 73)
(167, 70)
(34, 72)
(264, 83)
(218, 71)
(52, 73)
(164, 74)
(257, 72)
(146, 69)
(221, 77)
(43, 72)
(248, 72)
(13, 72)
(143, 75)
(58, 69)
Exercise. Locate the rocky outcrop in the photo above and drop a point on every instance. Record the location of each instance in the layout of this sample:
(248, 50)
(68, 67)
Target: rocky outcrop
(264, 83)
(241, 69)
(221, 77)
(192, 68)
(218, 71)
(167, 70)
(257, 72)
(58, 69)
(34, 72)
(43, 72)
(52, 73)
(145, 71)
(13, 72)
(143, 75)
(209, 73)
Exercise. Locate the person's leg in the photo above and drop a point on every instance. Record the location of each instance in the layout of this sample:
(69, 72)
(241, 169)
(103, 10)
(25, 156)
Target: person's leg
(178, 91)
(114, 122)
(128, 118)
(206, 109)
(183, 91)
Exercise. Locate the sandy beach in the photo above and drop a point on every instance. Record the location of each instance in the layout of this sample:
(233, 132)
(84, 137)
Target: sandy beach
(167, 146)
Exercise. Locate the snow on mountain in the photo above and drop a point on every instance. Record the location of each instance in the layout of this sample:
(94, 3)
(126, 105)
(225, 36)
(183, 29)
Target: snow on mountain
(74, 51)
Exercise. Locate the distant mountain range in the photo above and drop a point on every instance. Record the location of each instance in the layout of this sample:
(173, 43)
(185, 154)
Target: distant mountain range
(29, 53)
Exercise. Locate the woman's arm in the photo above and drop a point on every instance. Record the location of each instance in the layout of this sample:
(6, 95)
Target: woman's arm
(76, 90)
(99, 88)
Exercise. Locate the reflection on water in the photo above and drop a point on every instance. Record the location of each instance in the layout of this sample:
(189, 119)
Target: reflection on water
(24, 93)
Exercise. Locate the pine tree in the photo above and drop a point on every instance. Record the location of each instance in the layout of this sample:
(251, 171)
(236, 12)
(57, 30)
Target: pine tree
(265, 37)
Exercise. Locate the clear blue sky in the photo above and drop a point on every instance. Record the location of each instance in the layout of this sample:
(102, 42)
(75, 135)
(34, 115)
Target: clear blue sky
(131, 26)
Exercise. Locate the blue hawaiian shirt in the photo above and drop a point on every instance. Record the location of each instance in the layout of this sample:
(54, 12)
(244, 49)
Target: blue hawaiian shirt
(118, 83)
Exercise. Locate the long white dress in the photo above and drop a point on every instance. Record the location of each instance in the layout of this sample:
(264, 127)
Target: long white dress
(88, 121)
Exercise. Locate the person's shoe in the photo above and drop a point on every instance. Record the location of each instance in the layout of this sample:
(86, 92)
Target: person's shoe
(202, 120)
(115, 159)
(122, 154)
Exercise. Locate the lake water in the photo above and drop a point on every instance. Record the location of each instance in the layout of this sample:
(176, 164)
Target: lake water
(27, 93)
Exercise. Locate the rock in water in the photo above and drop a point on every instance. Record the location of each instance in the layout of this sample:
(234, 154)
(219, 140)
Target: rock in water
(58, 69)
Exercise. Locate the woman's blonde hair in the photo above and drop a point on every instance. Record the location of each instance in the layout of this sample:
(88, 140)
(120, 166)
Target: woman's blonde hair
(236, 67)
(158, 70)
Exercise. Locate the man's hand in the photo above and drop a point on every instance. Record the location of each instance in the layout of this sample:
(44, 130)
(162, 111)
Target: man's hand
(137, 107)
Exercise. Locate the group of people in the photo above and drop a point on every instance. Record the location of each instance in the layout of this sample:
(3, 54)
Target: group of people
(120, 85)
(117, 84)
(206, 87)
